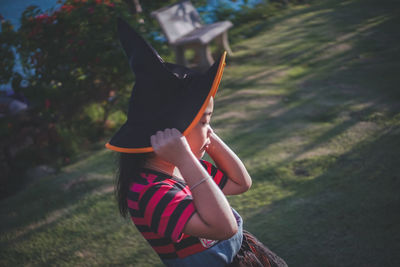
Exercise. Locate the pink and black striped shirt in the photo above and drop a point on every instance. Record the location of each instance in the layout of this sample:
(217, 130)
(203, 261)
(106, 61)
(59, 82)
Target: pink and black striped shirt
(160, 205)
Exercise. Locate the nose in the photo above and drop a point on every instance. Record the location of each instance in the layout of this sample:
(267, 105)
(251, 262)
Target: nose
(209, 131)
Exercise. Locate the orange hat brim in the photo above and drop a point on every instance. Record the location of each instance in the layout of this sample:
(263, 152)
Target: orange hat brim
(212, 93)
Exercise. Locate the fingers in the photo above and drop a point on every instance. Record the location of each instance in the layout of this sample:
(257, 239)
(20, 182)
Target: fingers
(161, 137)
(167, 133)
(178, 135)
(171, 146)
(175, 132)
(153, 141)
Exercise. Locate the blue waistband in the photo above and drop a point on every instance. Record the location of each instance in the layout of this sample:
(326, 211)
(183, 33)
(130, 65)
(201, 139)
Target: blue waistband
(220, 254)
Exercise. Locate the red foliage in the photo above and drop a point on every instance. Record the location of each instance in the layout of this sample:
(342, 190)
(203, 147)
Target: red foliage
(67, 8)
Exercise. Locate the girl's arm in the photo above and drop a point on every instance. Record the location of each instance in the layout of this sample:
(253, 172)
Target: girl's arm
(213, 218)
(239, 180)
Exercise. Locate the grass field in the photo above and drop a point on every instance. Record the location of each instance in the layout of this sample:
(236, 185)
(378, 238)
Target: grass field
(311, 104)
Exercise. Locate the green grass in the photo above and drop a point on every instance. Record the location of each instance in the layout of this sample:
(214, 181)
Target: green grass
(311, 105)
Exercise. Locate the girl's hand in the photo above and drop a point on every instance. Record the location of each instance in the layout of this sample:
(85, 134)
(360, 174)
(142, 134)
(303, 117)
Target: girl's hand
(171, 146)
(239, 180)
(213, 140)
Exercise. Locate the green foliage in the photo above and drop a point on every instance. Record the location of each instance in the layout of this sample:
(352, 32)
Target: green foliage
(76, 74)
(7, 40)
(74, 54)
(248, 21)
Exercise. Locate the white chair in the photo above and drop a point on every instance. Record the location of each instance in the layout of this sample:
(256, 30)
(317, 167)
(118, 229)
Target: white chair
(184, 29)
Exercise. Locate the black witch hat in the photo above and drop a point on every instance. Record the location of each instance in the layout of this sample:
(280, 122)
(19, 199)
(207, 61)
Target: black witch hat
(165, 95)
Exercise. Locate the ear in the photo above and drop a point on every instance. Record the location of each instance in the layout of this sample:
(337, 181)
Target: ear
(142, 57)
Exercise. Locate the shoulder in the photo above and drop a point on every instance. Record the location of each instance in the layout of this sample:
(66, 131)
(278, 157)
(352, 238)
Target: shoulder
(162, 188)
(150, 179)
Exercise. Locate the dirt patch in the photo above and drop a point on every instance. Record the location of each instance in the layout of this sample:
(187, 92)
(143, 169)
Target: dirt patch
(52, 217)
(230, 115)
(105, 189)
(84, 254)
(73, 183)
(267, 75)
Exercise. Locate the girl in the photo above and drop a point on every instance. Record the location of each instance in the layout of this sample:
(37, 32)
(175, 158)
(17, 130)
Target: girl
(176, 199)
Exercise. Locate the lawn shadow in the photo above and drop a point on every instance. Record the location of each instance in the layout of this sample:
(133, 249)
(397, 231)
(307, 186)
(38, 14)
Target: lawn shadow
(326, 90)
(47, 200)
(347, 216)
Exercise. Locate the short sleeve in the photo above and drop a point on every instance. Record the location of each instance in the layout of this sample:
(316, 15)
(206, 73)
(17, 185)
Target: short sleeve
(166, 209)
(218, 176)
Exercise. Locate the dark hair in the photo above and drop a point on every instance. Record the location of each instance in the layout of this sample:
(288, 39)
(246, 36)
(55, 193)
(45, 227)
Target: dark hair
(129, 166)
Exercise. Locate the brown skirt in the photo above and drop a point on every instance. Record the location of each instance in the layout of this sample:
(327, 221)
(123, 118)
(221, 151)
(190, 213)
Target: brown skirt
(254, 254)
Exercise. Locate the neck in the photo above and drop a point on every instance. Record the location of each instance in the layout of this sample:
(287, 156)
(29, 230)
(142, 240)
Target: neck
(158, 164)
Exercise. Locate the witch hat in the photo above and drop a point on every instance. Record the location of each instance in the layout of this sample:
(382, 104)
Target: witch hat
(165, 95)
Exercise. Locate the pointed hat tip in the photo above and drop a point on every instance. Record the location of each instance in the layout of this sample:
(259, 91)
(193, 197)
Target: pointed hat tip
(122, 26)
(121, 21)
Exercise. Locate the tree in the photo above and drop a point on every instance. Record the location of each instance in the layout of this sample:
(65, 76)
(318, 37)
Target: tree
(77, 76)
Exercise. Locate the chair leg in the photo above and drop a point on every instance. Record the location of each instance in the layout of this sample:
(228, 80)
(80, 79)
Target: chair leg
(203, 55)
(223, 43)
(180, 55)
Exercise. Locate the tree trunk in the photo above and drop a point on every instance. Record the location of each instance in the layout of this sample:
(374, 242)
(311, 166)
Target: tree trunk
(138, 7)
(134, 6)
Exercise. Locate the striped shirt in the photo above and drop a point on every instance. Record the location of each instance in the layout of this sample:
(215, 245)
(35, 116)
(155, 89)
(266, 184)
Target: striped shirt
(160, 206)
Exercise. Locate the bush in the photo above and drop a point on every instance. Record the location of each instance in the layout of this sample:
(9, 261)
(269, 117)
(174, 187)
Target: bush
(77, 78)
